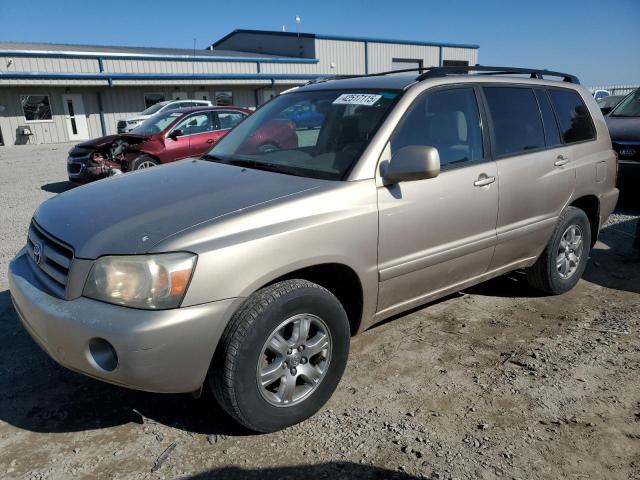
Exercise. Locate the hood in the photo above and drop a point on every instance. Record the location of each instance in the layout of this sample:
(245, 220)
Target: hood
(102, 142)
(130, 213)
(624, 128)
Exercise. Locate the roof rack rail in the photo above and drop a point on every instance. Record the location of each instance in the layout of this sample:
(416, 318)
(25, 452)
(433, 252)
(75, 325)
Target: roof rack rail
(435, 72)
(329, 78)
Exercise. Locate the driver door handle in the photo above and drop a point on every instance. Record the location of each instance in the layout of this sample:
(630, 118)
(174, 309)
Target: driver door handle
(210, 140)
(484, 180)
(561, 160)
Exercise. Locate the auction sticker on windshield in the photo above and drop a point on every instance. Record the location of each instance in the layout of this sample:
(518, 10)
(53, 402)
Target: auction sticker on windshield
(367, 99)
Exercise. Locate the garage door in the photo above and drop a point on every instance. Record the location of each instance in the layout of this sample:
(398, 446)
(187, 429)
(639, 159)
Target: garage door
(403, 64)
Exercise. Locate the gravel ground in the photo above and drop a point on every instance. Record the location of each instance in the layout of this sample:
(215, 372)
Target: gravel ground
(494, 382)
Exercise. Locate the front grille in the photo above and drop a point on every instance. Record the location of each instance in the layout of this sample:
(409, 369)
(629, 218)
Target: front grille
(627, 150)
(51, 259)
(74, 168)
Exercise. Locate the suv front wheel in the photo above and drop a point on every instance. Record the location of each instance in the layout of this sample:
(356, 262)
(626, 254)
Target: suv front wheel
(564, 259)
(281, 356)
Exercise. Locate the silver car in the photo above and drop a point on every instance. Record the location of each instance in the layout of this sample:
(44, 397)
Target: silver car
(248, 270)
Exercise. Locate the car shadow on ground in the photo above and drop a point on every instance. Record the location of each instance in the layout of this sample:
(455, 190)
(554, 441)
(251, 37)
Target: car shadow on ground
(57, 187)
(331, 470)
(38, 395)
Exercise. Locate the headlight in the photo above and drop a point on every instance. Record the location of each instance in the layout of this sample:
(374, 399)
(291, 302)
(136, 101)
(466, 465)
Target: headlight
(141, 281)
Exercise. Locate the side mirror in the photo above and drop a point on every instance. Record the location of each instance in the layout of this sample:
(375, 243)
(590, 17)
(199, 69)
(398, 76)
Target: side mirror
(176, 133)
(413, 162)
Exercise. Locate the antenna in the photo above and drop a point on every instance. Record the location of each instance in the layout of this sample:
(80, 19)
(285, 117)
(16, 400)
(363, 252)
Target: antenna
(298, 19)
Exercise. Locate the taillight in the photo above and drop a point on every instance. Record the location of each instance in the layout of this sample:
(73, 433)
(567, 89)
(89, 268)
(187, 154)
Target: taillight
(291, 126)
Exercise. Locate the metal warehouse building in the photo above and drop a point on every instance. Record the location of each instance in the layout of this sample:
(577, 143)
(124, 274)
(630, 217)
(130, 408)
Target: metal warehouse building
(53, 93)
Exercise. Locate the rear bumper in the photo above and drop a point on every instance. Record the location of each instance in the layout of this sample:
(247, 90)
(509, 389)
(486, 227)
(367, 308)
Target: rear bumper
(166, 351)
(608, 203)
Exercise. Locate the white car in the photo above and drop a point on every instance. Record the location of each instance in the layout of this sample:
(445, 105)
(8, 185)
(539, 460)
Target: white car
(128, 124)
(600, 94)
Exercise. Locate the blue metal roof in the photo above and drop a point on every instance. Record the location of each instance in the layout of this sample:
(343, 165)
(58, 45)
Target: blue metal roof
(109, 77)
(344, 38)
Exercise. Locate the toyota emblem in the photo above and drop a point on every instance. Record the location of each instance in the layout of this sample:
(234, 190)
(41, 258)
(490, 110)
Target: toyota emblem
(37, 252)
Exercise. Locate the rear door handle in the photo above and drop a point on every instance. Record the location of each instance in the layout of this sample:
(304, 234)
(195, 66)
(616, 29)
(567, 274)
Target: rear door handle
(561, 160)
(210, 140)
(484, 180)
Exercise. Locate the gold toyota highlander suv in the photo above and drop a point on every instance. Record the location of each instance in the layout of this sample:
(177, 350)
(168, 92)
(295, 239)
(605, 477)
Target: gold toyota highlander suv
(248, 270)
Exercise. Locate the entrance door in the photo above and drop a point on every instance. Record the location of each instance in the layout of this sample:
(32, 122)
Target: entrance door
(75, 117)
(179, 95)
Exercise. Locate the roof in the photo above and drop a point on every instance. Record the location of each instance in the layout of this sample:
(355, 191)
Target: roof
(115, 49)
(30, 49)
(341, 37)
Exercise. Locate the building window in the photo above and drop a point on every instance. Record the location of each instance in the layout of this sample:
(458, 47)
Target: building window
(405, 64)
(224, 98)
(455, 63)
(36, 108)
(152, 98)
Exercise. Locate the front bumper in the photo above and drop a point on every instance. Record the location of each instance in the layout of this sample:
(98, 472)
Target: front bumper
(166, 351)
(77, 170)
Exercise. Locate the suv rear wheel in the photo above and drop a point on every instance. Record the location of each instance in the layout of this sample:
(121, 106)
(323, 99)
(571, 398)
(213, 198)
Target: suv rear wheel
(564, 259)
(281, 356)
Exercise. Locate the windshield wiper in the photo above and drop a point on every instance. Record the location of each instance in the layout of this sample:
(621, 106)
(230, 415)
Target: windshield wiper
(247, 163)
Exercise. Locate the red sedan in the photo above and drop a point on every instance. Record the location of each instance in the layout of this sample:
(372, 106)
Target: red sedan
(167, 137)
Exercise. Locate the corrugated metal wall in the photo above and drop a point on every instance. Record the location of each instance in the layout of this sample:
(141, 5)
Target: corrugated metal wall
(340, 57)
(468, 54)
(42, 64)
(126, 97)
(382, 54)
(117, 102)
(51, 131)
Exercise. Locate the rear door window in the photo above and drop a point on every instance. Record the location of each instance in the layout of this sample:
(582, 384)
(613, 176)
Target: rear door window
(551, 132)
(517, 125)
(448, 120)
(228, 120)
(574, 118)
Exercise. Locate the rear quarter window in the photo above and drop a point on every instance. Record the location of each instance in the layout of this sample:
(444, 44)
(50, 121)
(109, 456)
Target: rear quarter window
(517, 125)
(575, 121)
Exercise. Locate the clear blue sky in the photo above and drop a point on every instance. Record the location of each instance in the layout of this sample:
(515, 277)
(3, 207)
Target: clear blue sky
(597, 40)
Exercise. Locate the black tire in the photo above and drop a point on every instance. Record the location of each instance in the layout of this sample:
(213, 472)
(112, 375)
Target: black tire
(143, 161)
(544, 274)
(233, 373)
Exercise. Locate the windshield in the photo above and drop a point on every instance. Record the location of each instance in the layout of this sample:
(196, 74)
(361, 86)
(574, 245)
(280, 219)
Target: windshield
(155, 108)
(319, 134)
(629, 107)
(156, 123)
